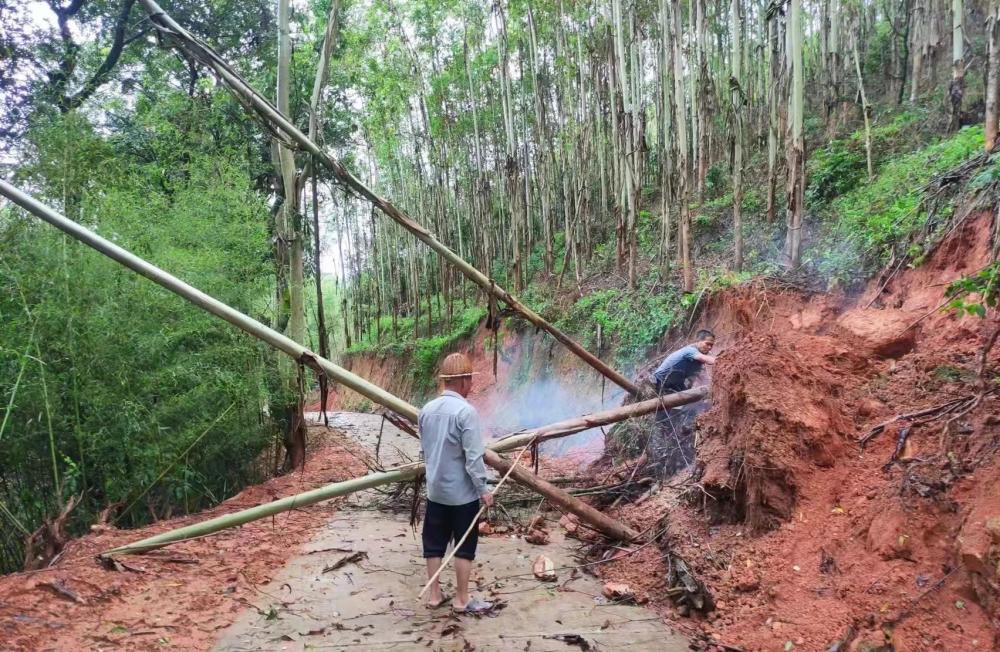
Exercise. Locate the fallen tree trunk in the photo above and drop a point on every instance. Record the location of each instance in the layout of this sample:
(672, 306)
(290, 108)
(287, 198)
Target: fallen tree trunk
(562, 500)
(278, 122)
(597, 419)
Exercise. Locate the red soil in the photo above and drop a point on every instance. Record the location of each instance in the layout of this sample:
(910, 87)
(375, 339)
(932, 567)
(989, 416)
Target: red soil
(181, 596)
(799, 533)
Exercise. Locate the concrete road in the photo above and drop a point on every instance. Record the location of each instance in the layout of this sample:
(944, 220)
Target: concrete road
(372, 604)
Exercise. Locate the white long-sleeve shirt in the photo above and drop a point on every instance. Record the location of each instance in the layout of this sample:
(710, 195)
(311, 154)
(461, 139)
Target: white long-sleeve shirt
(452, 444)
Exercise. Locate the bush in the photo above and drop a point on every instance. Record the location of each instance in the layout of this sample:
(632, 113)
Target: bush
(874, 218)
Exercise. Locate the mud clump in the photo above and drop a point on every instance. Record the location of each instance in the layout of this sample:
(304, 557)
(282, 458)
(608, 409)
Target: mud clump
(779, 404)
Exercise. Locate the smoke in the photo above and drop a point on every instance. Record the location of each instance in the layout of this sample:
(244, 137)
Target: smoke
(547, 401)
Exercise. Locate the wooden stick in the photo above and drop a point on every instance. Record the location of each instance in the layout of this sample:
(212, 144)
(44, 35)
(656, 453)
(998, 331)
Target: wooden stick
(475, 523)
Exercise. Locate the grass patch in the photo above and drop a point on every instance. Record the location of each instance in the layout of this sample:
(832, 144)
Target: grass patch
(869, 222)
(630, 322)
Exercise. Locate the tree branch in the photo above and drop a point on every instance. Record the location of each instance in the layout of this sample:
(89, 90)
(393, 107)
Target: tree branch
(103, 73)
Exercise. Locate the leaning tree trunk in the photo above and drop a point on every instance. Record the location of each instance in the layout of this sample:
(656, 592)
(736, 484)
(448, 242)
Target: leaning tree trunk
(315, 109)
(864, 111)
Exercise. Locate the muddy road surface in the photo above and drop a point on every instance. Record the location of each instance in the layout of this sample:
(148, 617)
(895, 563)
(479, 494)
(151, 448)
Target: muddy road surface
(371, 603)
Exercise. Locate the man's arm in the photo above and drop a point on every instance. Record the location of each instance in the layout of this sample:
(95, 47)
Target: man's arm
(707, 359)
(473, 447)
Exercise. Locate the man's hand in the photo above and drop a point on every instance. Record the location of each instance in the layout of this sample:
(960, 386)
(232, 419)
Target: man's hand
(487, 499)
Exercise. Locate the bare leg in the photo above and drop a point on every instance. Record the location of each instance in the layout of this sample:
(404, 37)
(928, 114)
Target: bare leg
(463, 570)
(434, 598)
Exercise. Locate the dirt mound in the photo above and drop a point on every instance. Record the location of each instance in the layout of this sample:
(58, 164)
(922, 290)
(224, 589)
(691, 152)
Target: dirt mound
(778, 408)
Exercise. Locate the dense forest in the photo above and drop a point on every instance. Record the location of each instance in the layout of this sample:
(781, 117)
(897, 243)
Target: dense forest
(607, 162)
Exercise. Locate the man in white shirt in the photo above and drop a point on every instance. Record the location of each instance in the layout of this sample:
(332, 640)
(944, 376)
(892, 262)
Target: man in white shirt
(452, 445)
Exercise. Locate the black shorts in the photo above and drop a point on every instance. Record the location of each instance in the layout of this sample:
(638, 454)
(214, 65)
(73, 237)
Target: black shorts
(447, 523)
(671, 384)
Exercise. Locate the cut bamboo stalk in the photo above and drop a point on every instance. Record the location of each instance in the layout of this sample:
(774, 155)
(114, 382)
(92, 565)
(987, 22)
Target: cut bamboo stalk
(194, 47)
(409, 472)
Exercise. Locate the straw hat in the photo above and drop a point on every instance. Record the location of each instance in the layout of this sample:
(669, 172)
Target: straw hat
(456, 365)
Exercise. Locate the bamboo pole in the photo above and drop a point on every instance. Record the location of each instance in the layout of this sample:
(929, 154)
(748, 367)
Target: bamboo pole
(563, 500)
(274, 118)
(411, 471)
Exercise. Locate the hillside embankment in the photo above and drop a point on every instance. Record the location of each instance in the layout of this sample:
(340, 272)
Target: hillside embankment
(806, 539)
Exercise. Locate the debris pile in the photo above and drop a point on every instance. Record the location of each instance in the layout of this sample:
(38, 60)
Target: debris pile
(780, 405)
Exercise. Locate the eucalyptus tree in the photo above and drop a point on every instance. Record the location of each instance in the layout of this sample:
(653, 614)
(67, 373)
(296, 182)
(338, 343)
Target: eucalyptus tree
(956, 89)
(796, 155)
(993, 76)
(735, 30)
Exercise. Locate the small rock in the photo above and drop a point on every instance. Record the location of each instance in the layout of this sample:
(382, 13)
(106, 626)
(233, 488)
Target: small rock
(485, 529)
(569, 524)
(789, 646)
(537, 537)
(618, 591)
(544, 569)
(993, 529)
(869, 407)
(537, 523)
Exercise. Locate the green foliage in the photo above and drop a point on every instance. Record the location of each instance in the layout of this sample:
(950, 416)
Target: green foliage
(427, 352)
(989, 175)
(839, 167)
(717, 180)
(424, 352)
(949, 373)
(871, 220)
(120, 377)
(630, 321)
(977, 293)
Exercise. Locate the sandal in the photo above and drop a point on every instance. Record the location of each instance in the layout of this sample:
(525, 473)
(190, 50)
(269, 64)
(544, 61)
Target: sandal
(440, 603)
(474, 606)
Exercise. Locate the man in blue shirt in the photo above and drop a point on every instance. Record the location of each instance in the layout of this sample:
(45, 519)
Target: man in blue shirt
(678, 369)
(452, 445)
